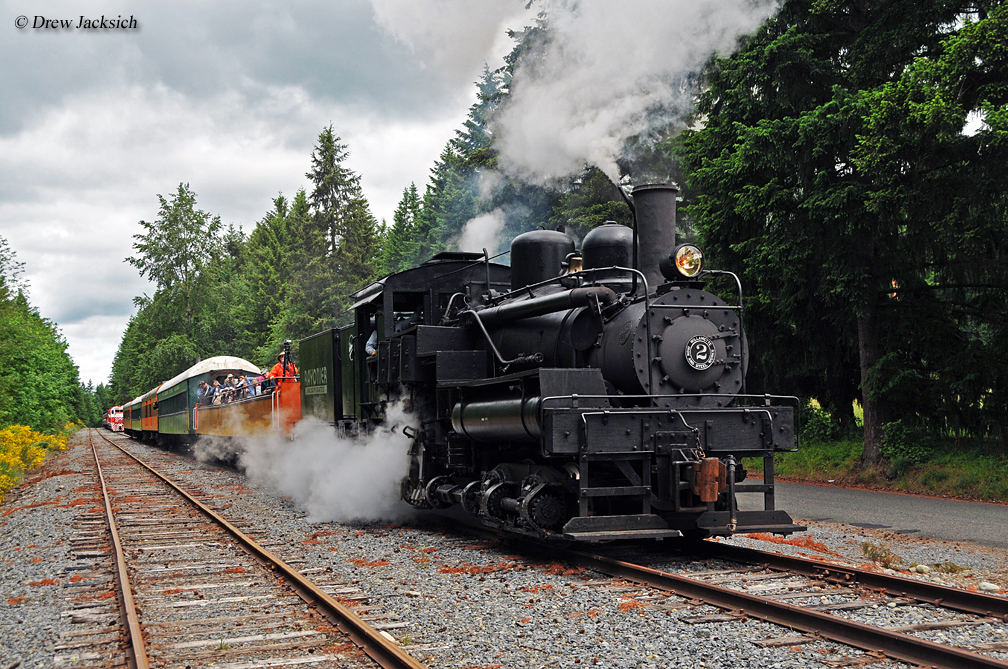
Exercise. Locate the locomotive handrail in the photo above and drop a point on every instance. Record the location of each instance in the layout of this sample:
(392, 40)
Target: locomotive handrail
(738, 282)
(647, 312)
(451, 300)
(741, 311)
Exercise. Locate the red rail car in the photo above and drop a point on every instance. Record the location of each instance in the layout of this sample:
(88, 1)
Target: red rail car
(114, 419)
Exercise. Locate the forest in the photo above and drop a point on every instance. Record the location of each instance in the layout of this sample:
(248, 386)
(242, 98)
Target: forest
(848, 161)
(39, 384)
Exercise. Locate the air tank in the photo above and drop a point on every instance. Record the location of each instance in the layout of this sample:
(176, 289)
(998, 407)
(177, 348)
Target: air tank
(538, 256)
(608, 245)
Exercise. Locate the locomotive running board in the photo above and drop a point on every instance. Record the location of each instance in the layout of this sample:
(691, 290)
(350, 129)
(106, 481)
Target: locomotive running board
(612, 528)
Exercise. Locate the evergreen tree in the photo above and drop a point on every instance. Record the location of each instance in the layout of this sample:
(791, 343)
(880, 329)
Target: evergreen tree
(267, 274)
(464, 182)
(102, 400)
(10, 269)
(195, 311)
(400, 243)
(325, 266)
(592, 200)
(173, 250)
(938, 192)
(358, 255)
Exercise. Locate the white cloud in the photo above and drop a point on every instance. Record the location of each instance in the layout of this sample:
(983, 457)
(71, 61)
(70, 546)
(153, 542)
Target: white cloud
(454, 37)
(92, 345)
(77, 176)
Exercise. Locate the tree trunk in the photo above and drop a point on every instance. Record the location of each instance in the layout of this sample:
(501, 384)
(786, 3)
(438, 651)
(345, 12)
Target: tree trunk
(875, 414)
(843, 390)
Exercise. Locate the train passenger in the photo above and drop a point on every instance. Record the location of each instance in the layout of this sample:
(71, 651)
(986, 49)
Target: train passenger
(203, 394)
(240, 387)
(233, 389)
(283, 370)
(217, 392)
(267, 383)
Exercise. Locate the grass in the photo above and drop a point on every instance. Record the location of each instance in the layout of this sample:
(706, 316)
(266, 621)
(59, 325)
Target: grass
(961, 469)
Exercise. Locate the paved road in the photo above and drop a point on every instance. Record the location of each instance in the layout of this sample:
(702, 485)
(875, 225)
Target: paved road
(982, 524)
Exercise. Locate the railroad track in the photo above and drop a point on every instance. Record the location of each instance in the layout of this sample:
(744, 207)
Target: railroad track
(194, 590)
(811, 598)
(798, 605)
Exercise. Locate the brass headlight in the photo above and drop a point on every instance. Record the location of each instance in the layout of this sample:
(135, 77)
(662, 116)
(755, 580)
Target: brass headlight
(688, 260)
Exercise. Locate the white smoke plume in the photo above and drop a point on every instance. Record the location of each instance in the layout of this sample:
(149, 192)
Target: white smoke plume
(482, 232)
(332, 478)
(487, 182)
(608, 72)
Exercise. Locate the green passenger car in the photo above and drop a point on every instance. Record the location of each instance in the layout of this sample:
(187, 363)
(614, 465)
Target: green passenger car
(177, 396)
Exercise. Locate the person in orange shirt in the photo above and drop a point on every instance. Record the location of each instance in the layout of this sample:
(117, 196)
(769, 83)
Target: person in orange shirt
(281, 370)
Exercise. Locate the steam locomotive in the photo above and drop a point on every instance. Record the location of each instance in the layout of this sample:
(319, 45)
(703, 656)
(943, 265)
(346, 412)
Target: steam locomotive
(587, 396)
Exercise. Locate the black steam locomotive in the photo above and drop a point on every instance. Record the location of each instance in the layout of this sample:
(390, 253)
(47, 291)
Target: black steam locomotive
(592, 396)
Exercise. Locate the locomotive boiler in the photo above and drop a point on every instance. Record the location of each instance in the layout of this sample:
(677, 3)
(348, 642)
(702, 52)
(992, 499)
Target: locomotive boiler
(592, 395)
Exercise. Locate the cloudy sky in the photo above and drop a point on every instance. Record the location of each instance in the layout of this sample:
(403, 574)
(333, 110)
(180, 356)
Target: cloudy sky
(230, 97)
(227, 96)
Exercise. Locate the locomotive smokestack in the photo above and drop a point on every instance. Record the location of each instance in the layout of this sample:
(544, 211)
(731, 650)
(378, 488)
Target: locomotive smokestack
(655, 205)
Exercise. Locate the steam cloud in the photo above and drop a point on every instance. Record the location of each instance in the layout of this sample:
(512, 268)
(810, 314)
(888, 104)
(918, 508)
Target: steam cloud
(333, 479)
(482, 232)
(609, 72)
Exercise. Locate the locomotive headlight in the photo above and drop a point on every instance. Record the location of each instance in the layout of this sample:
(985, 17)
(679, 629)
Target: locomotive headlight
(688, 260)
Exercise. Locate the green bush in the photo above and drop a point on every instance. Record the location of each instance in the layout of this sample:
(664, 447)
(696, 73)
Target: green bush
(903, 441)
(816, 424)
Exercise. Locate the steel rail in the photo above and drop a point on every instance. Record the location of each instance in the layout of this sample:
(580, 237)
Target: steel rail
(895, 645)
(137, 651)
(939, 595)
(386, 653)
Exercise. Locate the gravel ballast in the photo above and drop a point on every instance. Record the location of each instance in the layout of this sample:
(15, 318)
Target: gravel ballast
(454, 601)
